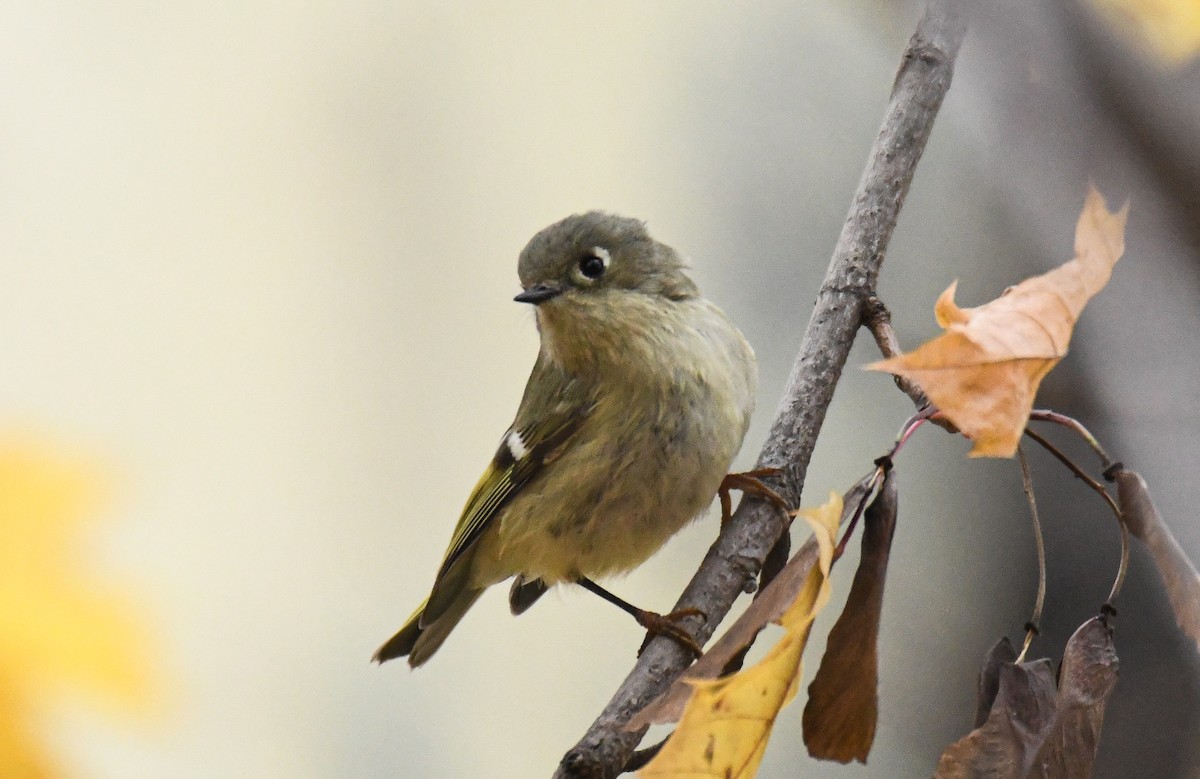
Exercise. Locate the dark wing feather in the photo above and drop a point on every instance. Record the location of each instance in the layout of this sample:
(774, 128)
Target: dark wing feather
(552, 409)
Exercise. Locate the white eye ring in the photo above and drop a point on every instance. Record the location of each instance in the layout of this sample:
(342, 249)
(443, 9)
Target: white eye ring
(593, 264)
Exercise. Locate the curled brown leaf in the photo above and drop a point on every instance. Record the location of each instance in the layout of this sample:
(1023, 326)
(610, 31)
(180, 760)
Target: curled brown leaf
(1178, 573)
(1035, 728)
(1001, 654)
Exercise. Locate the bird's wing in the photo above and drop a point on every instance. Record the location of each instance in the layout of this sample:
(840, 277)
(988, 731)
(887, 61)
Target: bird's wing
(551, 411)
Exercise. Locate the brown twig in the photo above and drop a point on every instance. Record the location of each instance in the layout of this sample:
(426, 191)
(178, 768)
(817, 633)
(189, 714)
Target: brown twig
(737, 555)
(1031, 627)
(878, 320)
(1123, 566)
(1074, 425)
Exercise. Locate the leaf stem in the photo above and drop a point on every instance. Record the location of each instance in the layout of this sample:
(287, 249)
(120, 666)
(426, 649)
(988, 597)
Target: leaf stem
(868, 494)
(1112, 504)
(882, 466)
(1047, 415)
(1031, 627)
(923, 415)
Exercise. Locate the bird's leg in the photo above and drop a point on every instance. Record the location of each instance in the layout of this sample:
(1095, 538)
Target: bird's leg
(656, 624)
(750, 483)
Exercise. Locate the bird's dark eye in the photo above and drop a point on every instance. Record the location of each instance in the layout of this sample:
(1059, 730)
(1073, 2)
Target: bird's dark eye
(592, 267)
(593, 264)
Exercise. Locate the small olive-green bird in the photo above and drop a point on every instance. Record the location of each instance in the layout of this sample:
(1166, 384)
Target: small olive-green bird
(638, 401)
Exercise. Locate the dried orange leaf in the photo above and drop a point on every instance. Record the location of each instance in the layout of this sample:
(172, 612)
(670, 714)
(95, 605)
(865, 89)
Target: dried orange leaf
(984, 371)
(725, 726)
(843, 703)
(1177, 571)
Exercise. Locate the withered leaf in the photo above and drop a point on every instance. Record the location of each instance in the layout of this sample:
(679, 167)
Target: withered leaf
(1178, 573)
(843, 705)
(1087, 676)
(725, 725)
(768, 607)
(1001, 653)
(1035, 730)
(984, 370)
(998, 749)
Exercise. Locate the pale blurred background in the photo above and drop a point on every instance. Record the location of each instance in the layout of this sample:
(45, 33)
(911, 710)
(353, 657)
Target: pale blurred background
(257, 261)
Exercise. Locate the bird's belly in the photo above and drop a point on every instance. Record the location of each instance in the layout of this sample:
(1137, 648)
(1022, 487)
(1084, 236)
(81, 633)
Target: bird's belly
(596, 538)
(610, 542)
(616, 503)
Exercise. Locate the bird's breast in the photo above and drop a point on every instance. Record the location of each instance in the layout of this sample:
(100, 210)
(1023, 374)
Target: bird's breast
(647, 460)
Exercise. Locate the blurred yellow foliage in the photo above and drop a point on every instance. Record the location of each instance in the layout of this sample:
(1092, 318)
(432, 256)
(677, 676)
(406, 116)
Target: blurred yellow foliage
(1169, 28)
(60, 632)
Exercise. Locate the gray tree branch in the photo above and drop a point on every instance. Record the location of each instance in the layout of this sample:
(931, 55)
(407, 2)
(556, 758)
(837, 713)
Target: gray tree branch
(737, 555)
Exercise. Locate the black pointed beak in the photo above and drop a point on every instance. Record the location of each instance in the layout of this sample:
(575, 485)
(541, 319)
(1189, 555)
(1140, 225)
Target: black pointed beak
(539, 293)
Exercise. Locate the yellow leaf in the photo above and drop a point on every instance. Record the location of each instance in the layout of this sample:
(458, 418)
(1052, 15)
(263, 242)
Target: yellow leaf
(60, 631)
(724, 728)
(1169, 28)
(21, 757)
(984, 370)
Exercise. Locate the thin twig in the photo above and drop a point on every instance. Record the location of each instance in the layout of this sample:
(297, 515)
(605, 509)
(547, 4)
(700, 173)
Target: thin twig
(1123, 566)
(1075, 469)
(737, 555)
(878, 320)
(1035, 620)
(923, 415)
(883, 465)
(1046, 415)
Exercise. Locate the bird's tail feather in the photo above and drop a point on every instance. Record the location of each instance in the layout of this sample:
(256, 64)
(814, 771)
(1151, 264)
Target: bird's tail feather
(418, 642)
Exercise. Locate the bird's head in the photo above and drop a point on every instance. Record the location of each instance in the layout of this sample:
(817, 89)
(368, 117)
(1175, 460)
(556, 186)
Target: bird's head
(598, 280)
(596, 255)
